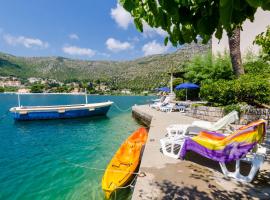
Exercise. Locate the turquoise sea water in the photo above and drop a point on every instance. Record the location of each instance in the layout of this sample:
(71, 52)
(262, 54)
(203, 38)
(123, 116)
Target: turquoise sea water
(37, 157)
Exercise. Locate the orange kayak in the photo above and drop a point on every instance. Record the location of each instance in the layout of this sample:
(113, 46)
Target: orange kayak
(121, 168)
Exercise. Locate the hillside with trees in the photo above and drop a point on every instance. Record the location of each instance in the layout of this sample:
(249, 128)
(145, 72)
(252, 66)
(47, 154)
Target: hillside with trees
(141, 74)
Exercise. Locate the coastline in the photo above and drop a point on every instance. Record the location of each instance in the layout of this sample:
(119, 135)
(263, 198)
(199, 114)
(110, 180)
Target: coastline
(81, 93)
(46, 93)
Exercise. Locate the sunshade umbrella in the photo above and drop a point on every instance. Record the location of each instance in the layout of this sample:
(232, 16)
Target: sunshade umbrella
(187, 86)
(163, 89)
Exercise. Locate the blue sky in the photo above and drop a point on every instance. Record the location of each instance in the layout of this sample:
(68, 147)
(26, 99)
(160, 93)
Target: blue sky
(85, 29)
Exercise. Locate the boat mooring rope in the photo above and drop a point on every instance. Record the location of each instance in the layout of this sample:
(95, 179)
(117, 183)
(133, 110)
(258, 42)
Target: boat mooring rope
(121, 110)
(137, 174)
(131, 185)
(79, 165)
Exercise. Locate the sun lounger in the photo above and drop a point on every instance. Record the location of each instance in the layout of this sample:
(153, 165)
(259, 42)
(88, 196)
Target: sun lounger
(173, 107)
(234, 147)
(170, 144)
(180, 108)
(223, 123)
(167, 108)
(160, 104)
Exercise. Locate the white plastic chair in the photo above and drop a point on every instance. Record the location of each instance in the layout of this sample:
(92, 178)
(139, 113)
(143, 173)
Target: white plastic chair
(224, 122)
(256, 160)
(172, 143)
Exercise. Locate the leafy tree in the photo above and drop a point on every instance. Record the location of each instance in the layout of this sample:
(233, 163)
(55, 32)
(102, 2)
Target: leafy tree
(63, 88)
(184, 20)
(37, 88)
(235, 52)
(177, 81)
(2, 89)
(205, 67)
(263, 40)
(11, 89)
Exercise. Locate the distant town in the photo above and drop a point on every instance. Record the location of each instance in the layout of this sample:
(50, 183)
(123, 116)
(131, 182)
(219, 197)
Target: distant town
(10, 84)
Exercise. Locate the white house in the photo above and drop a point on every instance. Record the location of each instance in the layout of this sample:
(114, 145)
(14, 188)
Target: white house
(248, 34)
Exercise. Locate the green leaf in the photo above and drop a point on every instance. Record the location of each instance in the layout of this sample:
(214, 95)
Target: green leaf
(138, 24)
(266, 6)
(219, 33)
(129, 5)
(255, 3)
(166, 40)
(225, 10)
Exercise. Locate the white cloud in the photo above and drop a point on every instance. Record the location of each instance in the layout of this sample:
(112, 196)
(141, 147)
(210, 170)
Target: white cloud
(73, 36)
(151, 32)
(78, 51)
(104, 54)
(25, 41)
(121, 16)
(134, 39)
(116, 46)
(124, 19)
(153, 47)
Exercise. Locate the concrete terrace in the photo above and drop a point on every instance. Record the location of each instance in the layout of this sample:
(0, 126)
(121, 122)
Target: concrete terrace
(193, 178)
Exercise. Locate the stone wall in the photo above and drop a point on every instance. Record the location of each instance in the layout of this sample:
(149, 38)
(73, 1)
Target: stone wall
(254, 114)
(215, 113)
(141, 117)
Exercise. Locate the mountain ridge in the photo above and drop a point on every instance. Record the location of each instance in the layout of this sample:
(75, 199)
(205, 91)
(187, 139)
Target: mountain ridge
(146, 72)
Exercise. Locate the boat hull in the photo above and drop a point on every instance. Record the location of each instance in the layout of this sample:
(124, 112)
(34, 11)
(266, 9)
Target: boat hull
(60, 114)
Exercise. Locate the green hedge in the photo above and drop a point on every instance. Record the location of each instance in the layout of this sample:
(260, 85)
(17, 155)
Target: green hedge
(251, 89)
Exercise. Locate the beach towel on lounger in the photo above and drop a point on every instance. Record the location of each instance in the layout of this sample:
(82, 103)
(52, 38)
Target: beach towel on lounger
(222, 148)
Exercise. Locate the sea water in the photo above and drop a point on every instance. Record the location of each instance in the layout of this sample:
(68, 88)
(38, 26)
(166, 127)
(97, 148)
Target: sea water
(61, 159)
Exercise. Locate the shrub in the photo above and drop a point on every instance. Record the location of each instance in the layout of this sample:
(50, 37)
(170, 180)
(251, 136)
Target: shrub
(2, 89)
(180, 95)
(258, 67)
(206, 67)
(177, 81)
(248, 88)
(191, 94)
(229, 108)
(220, 92)
(252, 89)
(263, 40)
(37, 88)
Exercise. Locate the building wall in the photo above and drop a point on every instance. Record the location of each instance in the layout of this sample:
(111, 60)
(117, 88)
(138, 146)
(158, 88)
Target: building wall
(250, 31)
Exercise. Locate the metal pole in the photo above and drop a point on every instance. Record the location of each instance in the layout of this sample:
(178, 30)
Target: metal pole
(86, 99)
(19, 100)
(171, 82)
(186, 94)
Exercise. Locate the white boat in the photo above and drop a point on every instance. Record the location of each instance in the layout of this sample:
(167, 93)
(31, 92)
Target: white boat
(60, 111)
